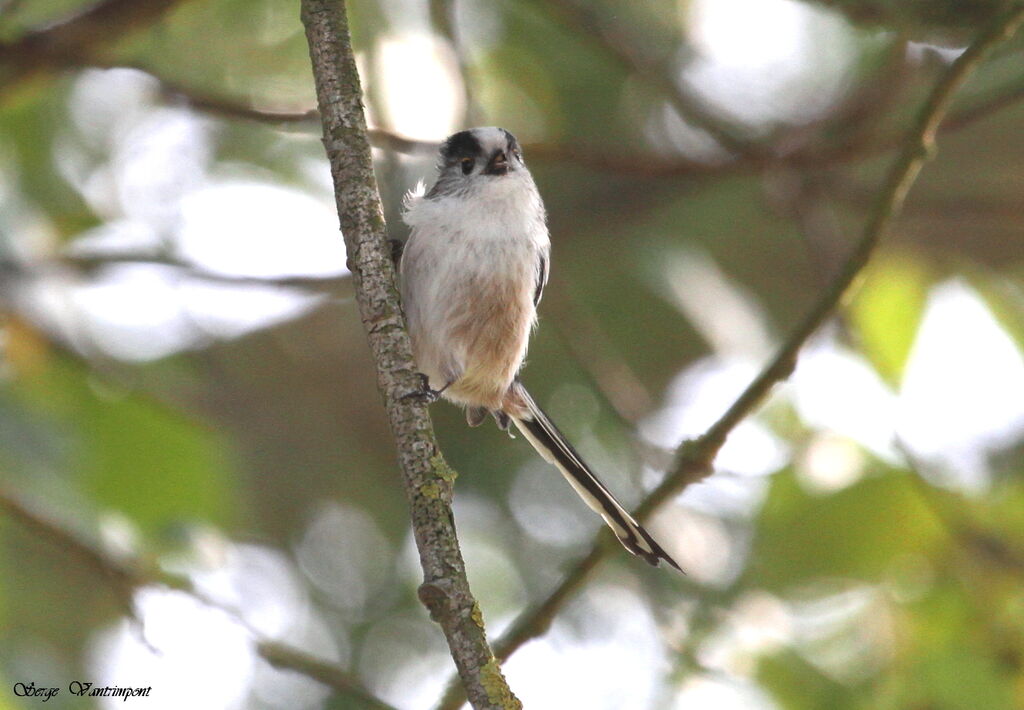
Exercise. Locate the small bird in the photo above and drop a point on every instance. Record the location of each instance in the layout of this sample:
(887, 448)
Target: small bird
(473, 271)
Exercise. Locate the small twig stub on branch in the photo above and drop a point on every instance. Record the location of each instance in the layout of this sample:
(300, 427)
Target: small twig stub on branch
(428, 480)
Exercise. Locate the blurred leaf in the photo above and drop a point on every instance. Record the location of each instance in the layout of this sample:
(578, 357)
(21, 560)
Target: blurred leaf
(952, 661)
(298, 402)
(856, 532)
(1006, 505)
(5, 702)
(960, 677)
(1004, 297)
(888, 309)
(132, 454)
(797, 685)
(20, 17)
(31, 120)
(254, 47)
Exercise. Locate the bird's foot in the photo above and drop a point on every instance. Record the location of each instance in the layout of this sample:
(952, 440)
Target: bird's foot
(424, 394)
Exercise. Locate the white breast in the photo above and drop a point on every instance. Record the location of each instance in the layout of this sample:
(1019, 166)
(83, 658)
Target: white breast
(463, 247)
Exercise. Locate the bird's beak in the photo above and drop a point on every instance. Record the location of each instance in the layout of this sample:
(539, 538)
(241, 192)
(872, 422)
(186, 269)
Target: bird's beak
(498, 165)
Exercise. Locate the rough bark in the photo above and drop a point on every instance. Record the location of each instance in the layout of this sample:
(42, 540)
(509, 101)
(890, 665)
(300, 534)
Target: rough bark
(428, 479)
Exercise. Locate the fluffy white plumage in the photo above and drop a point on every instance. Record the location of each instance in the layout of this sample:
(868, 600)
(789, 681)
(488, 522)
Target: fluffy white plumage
(473, 271)
(481, 240)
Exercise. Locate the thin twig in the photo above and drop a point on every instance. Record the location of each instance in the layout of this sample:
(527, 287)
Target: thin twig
(853, 119)
(918, 147)
(73, 41)
(282, 656)
(695, 457)
(584, 20)
(603, 160)
(977, 542)
(226, 108)
(984, 108)
(649, 166)
(940, 206)
(427, 477)
(442, 17)
(612, 377)
(652, 166)
(122, 578)
(127, 576)
(848, 151)
(340, 285)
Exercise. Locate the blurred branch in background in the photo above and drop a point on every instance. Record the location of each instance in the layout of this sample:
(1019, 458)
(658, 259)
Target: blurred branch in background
(74, 41)
(918, 147)
(125, 576)
(443, 17)
(286, 657)
(859, 195)
(972, 538)
(121, 578)
(855, 144)
(428, 478)
(594, 353)
(223, 108)
(157, 239)
(861, 146)
(806, 201)
(858, 114)
(336, 286)
(1000, 99)
(616, 43)
(695, 457)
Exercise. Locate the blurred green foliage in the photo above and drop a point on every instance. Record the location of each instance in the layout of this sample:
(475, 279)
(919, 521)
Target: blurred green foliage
(185, 466)
(925, 20)
(855, 533)
(888, 310)
(900, 583)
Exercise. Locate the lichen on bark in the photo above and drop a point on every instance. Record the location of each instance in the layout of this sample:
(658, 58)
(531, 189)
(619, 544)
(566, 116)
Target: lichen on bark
(427, 477)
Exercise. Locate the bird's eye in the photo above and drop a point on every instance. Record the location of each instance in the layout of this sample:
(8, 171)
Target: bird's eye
(467, 166)
(516, 152)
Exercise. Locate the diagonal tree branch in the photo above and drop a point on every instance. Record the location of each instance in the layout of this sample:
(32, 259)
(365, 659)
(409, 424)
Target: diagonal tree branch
(77, 41)
(918, 147)
(223, 107)
(72, 41)
(998, 100)
(579, 15)
(695, 457)
(428, 479)
(443, 18)
(127, 576)
(338, 286)
(122, 578)
(649, 166)
(285, 657)
(644, 166)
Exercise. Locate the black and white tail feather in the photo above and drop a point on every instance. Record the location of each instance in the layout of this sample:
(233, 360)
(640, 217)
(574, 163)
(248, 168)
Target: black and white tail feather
(473, 271)
(552, 445)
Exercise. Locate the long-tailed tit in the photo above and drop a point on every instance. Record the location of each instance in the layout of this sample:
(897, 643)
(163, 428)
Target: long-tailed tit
(473, 271)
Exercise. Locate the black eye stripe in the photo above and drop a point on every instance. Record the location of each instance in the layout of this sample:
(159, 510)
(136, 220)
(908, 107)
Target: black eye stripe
(466, 146)
(461, 145)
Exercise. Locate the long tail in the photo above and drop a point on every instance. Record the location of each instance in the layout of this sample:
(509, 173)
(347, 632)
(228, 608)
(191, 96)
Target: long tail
(551, 444)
